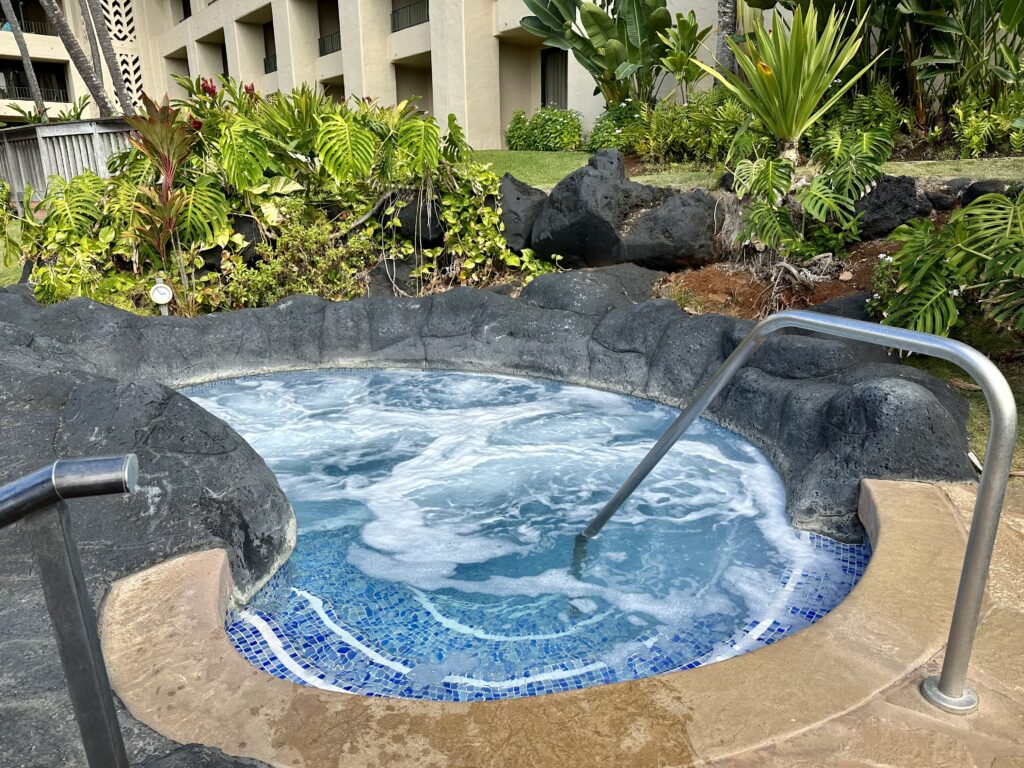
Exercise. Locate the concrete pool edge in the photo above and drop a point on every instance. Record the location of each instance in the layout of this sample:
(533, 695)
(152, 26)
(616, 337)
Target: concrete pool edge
(174, 667)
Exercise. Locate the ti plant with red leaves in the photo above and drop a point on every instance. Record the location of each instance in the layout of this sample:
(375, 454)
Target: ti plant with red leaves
(178, 205)
(165, 138)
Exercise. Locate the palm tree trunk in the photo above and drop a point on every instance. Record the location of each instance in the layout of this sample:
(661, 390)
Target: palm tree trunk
(90, 33)
(77, 56)
(26, 60)
(107, 46)
(726, 29)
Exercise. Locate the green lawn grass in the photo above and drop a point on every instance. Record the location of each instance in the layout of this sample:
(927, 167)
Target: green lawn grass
(540, 169)
(1005, 168)
(545, 169)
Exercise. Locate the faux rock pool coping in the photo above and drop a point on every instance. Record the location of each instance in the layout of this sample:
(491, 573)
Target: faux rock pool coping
(173, 666)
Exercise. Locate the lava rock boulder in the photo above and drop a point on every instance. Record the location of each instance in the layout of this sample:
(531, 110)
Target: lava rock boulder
(678, 233)
(520, 206)
(596, 217)
(419, 220)
(893, 201)
(976, 189)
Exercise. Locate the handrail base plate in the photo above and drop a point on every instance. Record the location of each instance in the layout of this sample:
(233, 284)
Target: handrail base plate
(963, 705)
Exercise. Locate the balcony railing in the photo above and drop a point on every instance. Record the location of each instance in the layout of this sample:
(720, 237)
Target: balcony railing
(270, 64)
(330, 43)
(21, 92)
(32, 27)
(410, 15)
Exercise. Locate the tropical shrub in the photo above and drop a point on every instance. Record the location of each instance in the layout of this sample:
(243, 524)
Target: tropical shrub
(548, 130)
(704, 129)
(618, 127)
(682, 43)
(619, 44)
(976, 47)
(879, 107)
(803, 217)
(225, 153)
(981, 125)
(515, 131)
(976, 259)
(788, 74)
(304, 258)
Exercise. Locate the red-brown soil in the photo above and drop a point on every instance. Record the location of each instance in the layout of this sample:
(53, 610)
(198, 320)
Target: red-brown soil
(733, 289)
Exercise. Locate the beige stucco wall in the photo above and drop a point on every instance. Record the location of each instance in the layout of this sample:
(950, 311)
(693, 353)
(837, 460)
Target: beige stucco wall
(365, 29)
(464, 59)
(411, 82)
(518, 80)
(483, 65)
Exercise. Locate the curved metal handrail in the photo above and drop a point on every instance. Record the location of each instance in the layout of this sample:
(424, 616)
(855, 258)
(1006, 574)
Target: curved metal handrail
(950, 690)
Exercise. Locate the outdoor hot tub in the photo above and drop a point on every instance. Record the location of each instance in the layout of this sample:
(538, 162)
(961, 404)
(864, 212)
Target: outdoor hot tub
(437, 554)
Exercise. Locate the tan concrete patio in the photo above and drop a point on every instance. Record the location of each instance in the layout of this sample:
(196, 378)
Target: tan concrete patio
(897, 728)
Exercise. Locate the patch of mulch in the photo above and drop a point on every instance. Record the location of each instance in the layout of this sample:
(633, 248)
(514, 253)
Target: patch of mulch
(735, 290)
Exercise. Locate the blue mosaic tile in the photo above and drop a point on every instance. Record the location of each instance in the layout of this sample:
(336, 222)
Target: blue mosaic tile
(328, 648)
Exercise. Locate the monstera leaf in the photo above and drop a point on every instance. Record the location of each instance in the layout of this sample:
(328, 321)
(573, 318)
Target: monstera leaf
(204, 212)
(345, 147)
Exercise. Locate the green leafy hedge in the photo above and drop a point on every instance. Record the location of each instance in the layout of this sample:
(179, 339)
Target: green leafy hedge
(973, 261)
(548, 130)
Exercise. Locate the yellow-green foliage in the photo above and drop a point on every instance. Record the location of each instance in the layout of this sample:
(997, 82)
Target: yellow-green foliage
(225, 151)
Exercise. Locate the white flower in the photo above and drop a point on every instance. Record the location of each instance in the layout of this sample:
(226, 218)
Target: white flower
(876, 296)
(955, 292)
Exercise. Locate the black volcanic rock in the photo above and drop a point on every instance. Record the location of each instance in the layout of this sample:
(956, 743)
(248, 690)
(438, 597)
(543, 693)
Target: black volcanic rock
(596, 217)
(893, 201)
(520, 206)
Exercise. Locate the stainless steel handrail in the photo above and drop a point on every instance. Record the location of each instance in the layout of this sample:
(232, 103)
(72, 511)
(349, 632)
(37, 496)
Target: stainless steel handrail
(39, 499)
(950, 690)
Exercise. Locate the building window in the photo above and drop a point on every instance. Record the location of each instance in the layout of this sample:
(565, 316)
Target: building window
(405, 14)
(330, 28)
(554, 78)
(269, 48)
(31, 18)
(180, 10)
(53, 81)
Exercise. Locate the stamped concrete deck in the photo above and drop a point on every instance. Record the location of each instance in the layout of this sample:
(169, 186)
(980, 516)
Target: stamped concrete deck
(897, 728)
(842, 692)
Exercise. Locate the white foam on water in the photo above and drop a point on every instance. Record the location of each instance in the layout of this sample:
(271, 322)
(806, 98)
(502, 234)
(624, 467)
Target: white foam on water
(462, 483)
(465, 629)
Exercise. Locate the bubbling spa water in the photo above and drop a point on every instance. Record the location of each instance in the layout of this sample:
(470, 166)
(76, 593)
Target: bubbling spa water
(437, 514)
